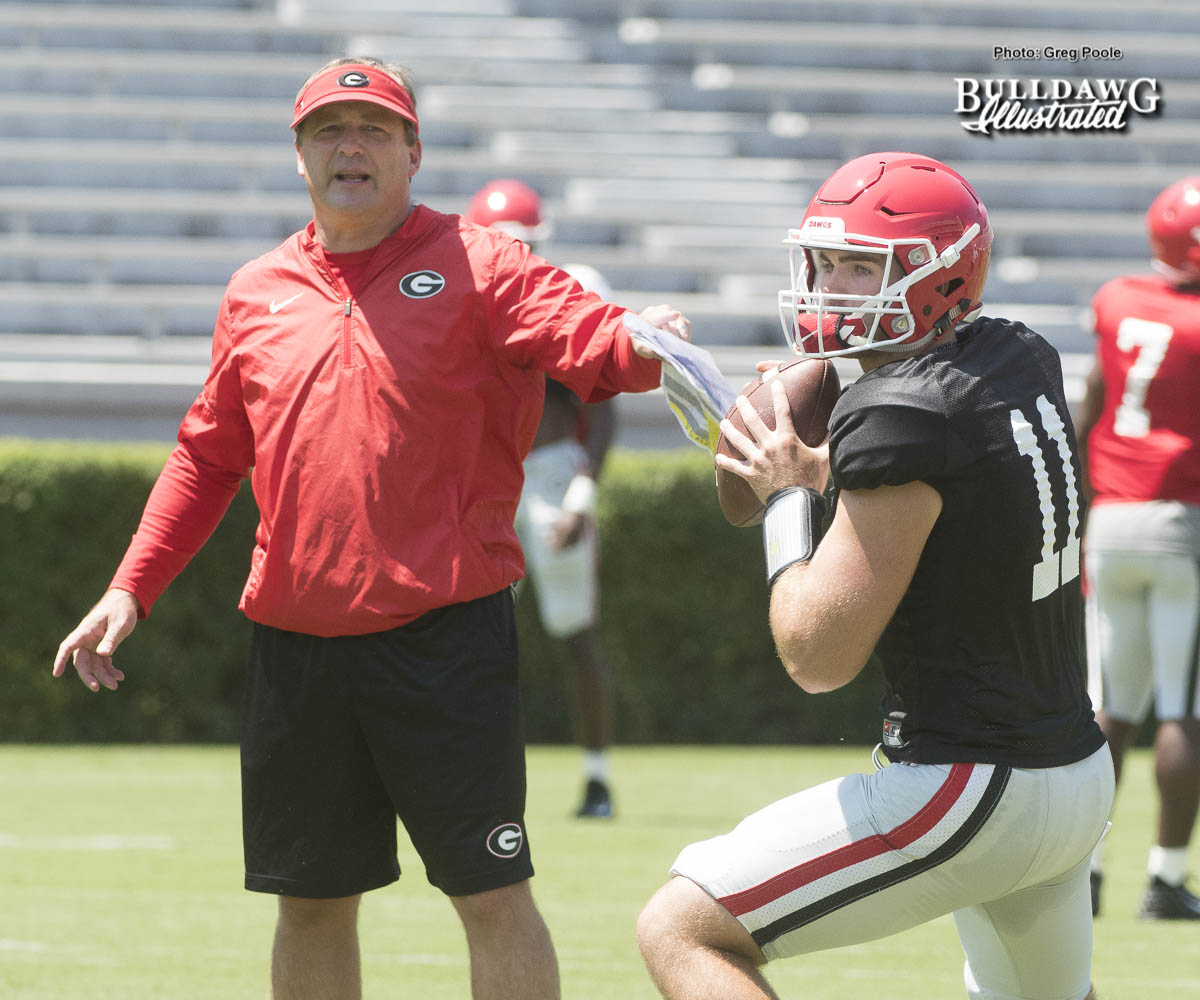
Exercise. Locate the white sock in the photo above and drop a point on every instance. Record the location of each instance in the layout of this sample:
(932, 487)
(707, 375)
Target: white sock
(595, 765)
(1168, 863)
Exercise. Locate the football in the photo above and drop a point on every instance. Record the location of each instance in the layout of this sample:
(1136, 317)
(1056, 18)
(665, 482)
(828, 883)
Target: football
(812, 388)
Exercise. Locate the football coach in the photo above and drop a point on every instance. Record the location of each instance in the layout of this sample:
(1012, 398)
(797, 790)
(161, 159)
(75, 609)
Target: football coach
(379, 377)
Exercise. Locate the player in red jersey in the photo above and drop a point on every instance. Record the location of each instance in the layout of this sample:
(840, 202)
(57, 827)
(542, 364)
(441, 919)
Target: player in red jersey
(1142, 424)
(556, 518)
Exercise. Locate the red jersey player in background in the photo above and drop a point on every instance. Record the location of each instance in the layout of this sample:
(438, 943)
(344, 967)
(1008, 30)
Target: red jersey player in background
(556, 518)
(1142, 543)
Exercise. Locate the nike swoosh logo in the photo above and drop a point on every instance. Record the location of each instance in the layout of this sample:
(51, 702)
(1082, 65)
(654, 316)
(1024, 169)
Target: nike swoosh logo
(276, 306)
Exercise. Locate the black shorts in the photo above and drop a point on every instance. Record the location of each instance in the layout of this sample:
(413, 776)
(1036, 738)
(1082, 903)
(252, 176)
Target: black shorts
(341, 735)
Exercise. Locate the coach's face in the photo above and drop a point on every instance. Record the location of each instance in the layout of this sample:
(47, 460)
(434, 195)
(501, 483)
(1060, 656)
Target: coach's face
(358, 166)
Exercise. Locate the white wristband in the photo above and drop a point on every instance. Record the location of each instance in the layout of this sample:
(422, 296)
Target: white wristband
(791, 528)
(580, 497)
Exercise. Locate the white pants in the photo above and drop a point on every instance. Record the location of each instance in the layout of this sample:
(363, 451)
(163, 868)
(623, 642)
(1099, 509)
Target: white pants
(1143, 616)
(564, 581)
(1006, 850)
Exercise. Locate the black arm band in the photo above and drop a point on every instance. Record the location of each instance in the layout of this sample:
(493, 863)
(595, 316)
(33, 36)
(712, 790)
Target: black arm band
(791, 528)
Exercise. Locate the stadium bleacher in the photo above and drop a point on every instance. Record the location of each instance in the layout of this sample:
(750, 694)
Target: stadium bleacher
(144, 155)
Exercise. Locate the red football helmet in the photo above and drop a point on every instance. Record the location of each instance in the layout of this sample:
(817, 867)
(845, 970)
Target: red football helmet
(512, 207)
(922, 228)
(1173, 223)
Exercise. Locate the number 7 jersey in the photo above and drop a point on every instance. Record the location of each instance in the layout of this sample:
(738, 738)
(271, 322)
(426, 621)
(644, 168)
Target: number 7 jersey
(983, 658)
(1146, 444)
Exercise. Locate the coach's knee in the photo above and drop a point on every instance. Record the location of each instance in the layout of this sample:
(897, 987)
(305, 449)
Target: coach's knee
(509, 906)
(299, 914)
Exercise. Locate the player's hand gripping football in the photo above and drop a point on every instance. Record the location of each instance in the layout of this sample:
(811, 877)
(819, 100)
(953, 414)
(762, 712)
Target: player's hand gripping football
(774, 459)
(95, 639)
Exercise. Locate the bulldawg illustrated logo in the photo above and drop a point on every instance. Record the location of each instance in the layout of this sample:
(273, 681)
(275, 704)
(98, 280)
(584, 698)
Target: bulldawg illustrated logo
(1041, 105)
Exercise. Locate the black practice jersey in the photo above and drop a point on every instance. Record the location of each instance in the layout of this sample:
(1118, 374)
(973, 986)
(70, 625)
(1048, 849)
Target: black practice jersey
(983, 659)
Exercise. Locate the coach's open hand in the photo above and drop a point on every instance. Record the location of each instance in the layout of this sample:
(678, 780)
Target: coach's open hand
(665, 318)
(96, 638)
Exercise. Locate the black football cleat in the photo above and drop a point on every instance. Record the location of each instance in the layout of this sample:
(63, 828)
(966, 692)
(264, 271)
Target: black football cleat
(1164, 901)
(1096, 878)
(597, 803)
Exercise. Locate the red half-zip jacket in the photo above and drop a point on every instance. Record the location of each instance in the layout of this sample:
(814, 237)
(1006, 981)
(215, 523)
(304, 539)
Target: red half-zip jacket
(383, 432)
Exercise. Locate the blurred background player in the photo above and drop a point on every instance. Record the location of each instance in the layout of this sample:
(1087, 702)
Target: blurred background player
(1142, 424)
(556, 517)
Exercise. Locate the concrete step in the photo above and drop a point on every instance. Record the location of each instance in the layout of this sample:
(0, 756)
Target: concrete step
(1165, 15)
(1151, 50)
(206, 75)
(765, 87)
(127, 389)
(153, 311)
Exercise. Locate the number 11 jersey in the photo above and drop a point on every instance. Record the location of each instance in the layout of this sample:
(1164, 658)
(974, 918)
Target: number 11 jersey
(983, 660)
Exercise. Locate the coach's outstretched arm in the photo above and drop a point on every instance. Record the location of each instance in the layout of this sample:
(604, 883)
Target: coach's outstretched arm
(96, 638)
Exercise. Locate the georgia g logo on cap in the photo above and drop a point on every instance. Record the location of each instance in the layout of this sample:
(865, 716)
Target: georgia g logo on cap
(354, 82)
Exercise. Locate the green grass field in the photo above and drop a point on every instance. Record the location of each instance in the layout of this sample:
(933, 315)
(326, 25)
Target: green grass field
(120, 877)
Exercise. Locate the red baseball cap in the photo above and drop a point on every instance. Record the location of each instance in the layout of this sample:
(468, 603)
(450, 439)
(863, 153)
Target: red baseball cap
(354, 82)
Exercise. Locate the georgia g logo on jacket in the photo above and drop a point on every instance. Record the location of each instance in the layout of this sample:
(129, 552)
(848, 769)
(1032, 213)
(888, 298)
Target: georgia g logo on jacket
(422, 284)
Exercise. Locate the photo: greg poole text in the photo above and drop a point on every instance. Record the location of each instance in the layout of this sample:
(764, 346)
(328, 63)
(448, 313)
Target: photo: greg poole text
(1056, 52)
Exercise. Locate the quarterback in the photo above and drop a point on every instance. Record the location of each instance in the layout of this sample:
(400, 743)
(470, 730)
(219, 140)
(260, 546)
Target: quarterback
(953, 550)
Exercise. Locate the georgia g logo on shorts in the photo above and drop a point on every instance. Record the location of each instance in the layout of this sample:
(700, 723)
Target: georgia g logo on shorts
(505, 841)
(422, 284)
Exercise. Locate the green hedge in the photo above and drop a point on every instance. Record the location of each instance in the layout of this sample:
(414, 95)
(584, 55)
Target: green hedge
(683, 607)
(684, 623)
(66, 515)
